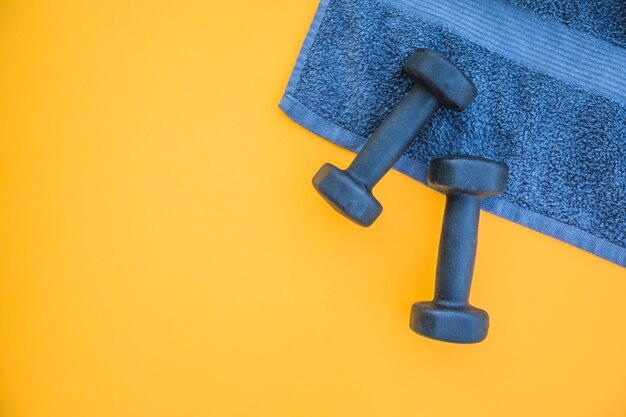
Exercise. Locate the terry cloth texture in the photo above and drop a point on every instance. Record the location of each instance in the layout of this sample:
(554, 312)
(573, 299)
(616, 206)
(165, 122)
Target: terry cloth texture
(551, 79)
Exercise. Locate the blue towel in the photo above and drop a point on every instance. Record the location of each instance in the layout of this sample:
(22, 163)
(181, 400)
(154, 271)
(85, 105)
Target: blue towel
(551, 79)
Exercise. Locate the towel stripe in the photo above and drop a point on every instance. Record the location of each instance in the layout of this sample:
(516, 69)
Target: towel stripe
(551, 48)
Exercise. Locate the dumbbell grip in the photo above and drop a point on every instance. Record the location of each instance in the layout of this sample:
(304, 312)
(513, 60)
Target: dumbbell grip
(393, 137)
(457, 249)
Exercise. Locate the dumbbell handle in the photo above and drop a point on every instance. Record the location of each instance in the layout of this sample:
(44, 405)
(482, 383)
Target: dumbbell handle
(457, 249)
(394, 135)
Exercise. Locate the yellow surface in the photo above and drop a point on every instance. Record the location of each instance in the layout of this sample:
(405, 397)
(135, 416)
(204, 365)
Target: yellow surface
(162, 252)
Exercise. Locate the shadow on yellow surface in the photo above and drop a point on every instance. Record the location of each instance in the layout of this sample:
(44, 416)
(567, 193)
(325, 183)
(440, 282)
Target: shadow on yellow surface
(162, 252)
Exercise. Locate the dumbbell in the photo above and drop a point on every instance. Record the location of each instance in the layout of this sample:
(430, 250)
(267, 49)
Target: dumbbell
(437, 82)
(465, 180)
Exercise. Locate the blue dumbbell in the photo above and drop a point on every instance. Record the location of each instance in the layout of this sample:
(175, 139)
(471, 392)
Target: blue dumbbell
(437, 82)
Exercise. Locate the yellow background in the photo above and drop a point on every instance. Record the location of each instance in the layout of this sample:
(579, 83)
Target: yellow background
(162, 252)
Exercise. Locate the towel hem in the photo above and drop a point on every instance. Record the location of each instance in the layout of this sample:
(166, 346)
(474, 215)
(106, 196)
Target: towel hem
(551, 48)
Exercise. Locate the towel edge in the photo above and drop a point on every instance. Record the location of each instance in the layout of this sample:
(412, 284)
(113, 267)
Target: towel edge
(306, 46)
